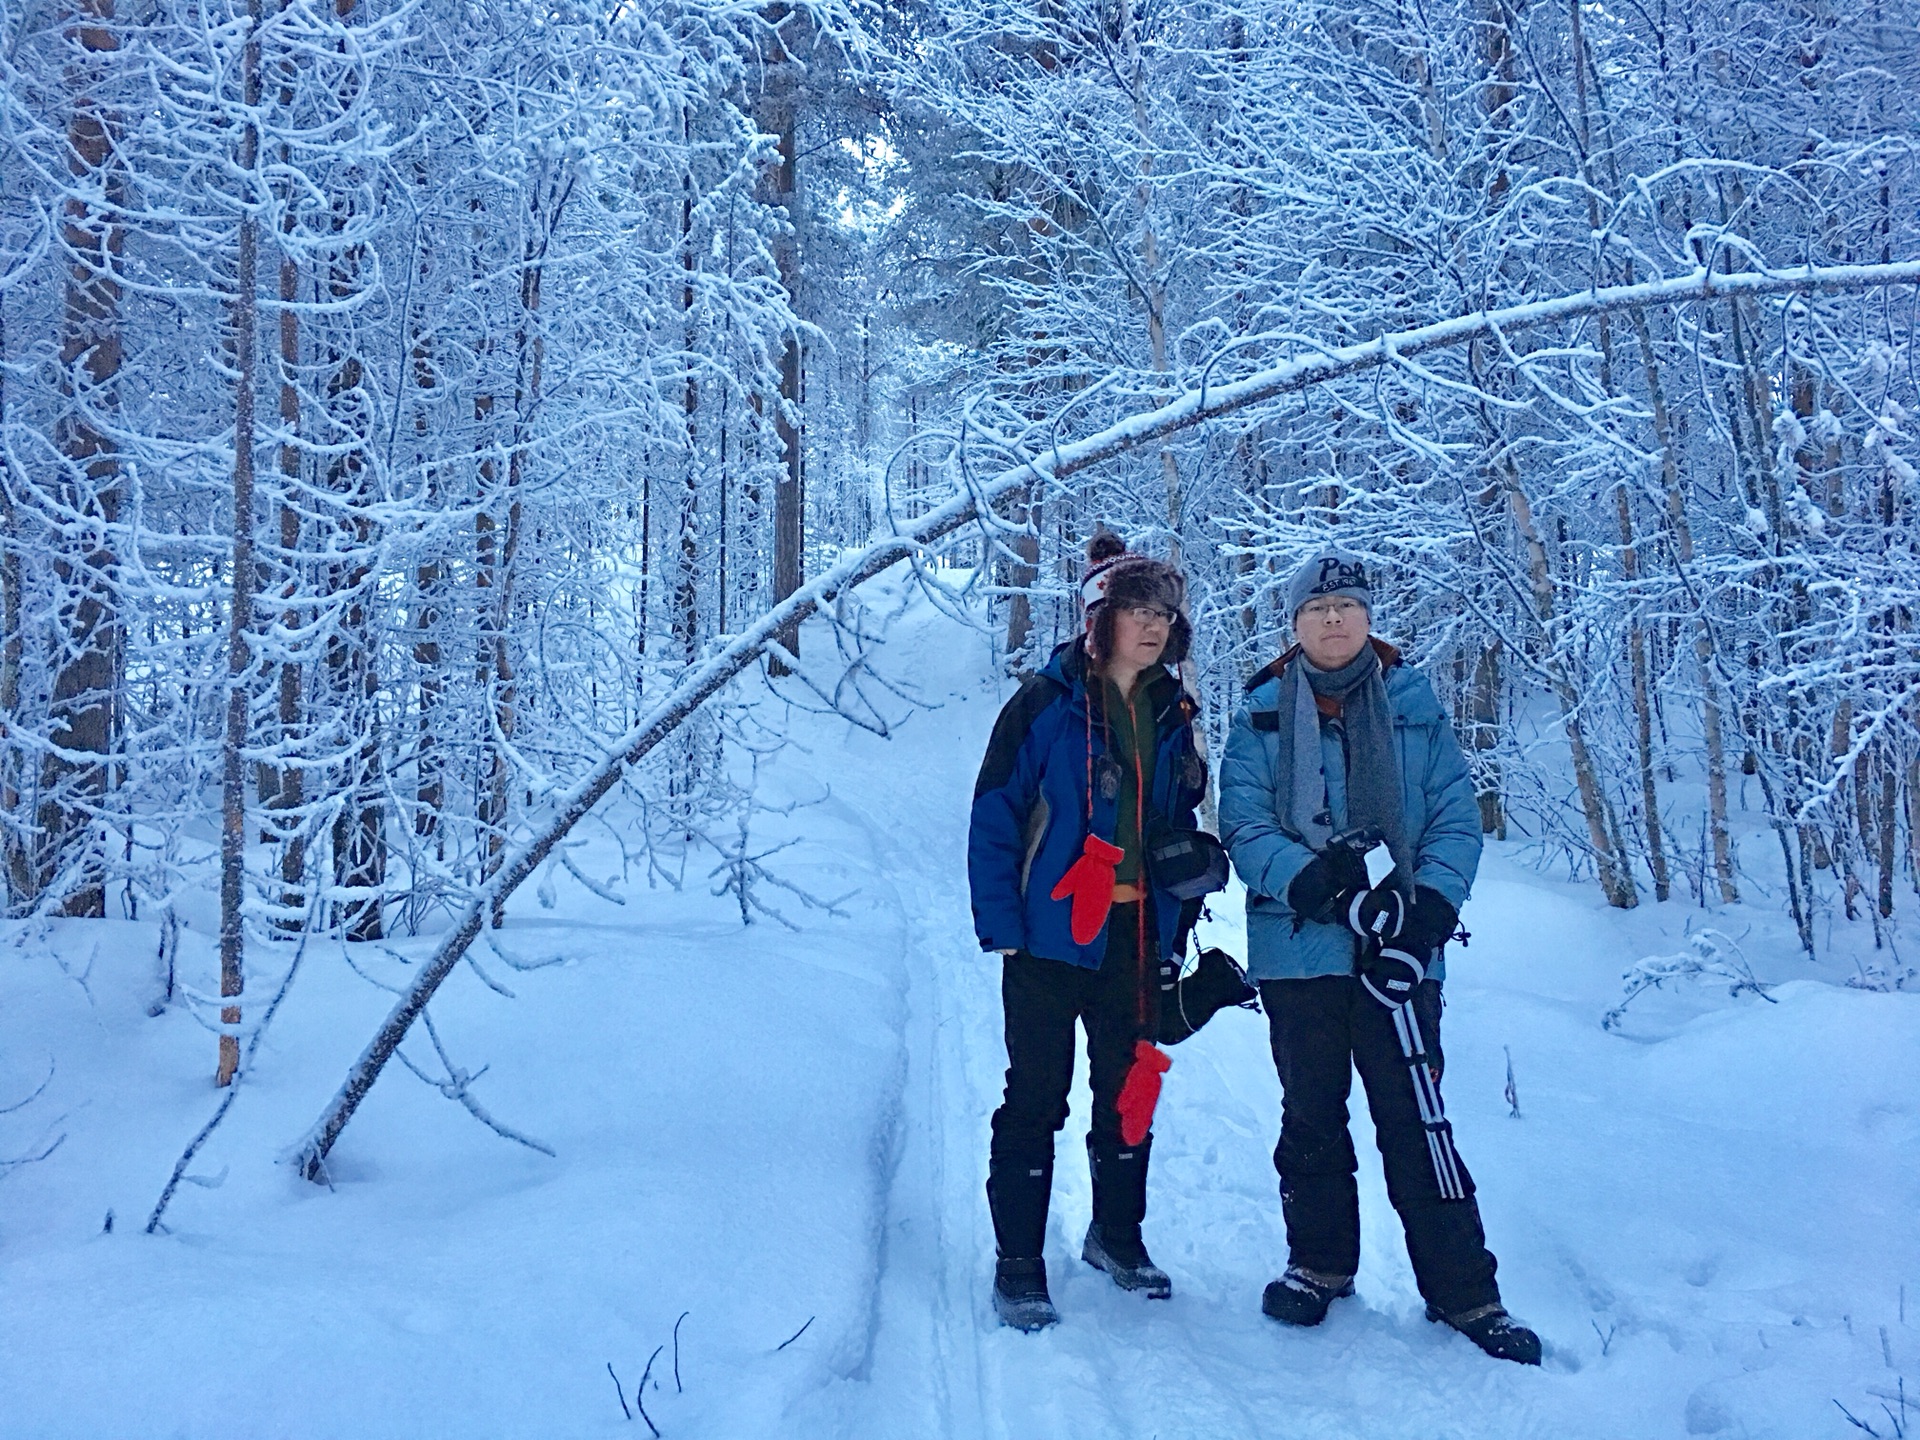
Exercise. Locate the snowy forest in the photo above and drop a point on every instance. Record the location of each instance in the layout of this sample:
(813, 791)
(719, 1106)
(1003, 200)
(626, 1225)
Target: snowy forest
(468, 467)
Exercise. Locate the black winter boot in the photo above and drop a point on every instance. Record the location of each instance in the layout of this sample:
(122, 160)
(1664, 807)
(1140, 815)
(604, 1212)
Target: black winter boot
(1494, 1331)
(1020, 1296)
(1018, 1190)
(1123, 1254)
(1301, 1297)
(1113, 1241)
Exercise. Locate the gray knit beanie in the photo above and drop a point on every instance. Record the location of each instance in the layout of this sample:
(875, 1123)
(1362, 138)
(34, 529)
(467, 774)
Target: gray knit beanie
(1329, 572)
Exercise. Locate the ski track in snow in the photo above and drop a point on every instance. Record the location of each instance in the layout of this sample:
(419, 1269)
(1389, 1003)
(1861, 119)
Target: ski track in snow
(761, 1126)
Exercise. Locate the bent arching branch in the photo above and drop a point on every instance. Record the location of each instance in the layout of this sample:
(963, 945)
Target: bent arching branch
(703, 681)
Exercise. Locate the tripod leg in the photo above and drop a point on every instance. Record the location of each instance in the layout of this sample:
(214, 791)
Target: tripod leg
(1433, 1114)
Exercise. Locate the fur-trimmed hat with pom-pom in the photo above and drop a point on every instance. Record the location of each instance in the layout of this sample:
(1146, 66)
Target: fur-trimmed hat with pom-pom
(1119, 579)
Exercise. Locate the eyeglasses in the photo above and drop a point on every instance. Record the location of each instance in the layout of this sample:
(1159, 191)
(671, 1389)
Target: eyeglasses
(1324, 610)
(1152, 614)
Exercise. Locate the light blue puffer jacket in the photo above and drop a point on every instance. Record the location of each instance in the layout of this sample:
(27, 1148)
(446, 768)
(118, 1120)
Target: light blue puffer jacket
(1443, 820)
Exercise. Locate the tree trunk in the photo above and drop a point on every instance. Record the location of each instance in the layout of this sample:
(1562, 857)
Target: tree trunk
(359, 845)
(359, 831)
(1642, 705)
(87, 655)
(641, 595)
(1486, 739)
(779, 115)
(1913, 822)
(286, 787)
(233, 808)
(499, 568)
(1020, 578)
(1886, 853)
(15, 858)
(430, 796)
(686, 582)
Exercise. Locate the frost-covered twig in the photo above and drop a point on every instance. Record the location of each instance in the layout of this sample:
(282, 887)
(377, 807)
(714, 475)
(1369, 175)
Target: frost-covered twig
(1856, 1421)
(8, 1165)
(457, 1087)
(33, 1094)
(17, 1161)
(1710, 955)
(515, 962)
(743, 867)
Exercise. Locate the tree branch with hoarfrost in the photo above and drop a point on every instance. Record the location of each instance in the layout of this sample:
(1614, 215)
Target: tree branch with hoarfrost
(1038, 467)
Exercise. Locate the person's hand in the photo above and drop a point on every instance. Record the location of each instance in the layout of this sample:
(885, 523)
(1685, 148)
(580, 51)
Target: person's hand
(1325, 888)
(1012, 950)
(1429, 924)
(1389, 974)
(1377, 914)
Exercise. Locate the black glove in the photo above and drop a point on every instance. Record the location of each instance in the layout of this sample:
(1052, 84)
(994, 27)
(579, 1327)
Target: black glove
(1326, 887)
(1430, 923)
(1390, 975)
(1378, 915)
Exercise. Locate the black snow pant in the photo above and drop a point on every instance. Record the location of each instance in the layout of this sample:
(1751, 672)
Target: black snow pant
(1042, 1000)
(1322, 1029)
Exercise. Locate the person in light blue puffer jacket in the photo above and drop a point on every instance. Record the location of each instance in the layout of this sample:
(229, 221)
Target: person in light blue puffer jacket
(1348, 811)
(1436, 790)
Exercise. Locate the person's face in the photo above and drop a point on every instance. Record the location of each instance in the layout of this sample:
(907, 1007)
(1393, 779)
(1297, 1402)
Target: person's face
(1331, 630)
(1140, 635)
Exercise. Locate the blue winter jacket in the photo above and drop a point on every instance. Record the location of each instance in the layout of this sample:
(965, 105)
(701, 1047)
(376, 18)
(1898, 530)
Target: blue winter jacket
(1443, 819)
(1030, 814)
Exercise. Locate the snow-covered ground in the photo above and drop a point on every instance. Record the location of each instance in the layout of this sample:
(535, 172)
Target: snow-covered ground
(1708, 1214)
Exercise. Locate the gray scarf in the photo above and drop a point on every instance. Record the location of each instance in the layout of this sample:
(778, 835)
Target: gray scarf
(1373, 761)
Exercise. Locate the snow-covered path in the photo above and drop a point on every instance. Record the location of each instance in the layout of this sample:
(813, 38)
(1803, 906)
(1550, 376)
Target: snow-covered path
(1708, 1216)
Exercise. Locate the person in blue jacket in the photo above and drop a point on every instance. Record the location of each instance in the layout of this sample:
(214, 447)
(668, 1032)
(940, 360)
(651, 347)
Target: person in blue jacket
(1342, 749)
(1083, 761)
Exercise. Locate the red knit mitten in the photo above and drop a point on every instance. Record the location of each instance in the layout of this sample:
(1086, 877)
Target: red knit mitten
(1089, 880)
(1141, 1092)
